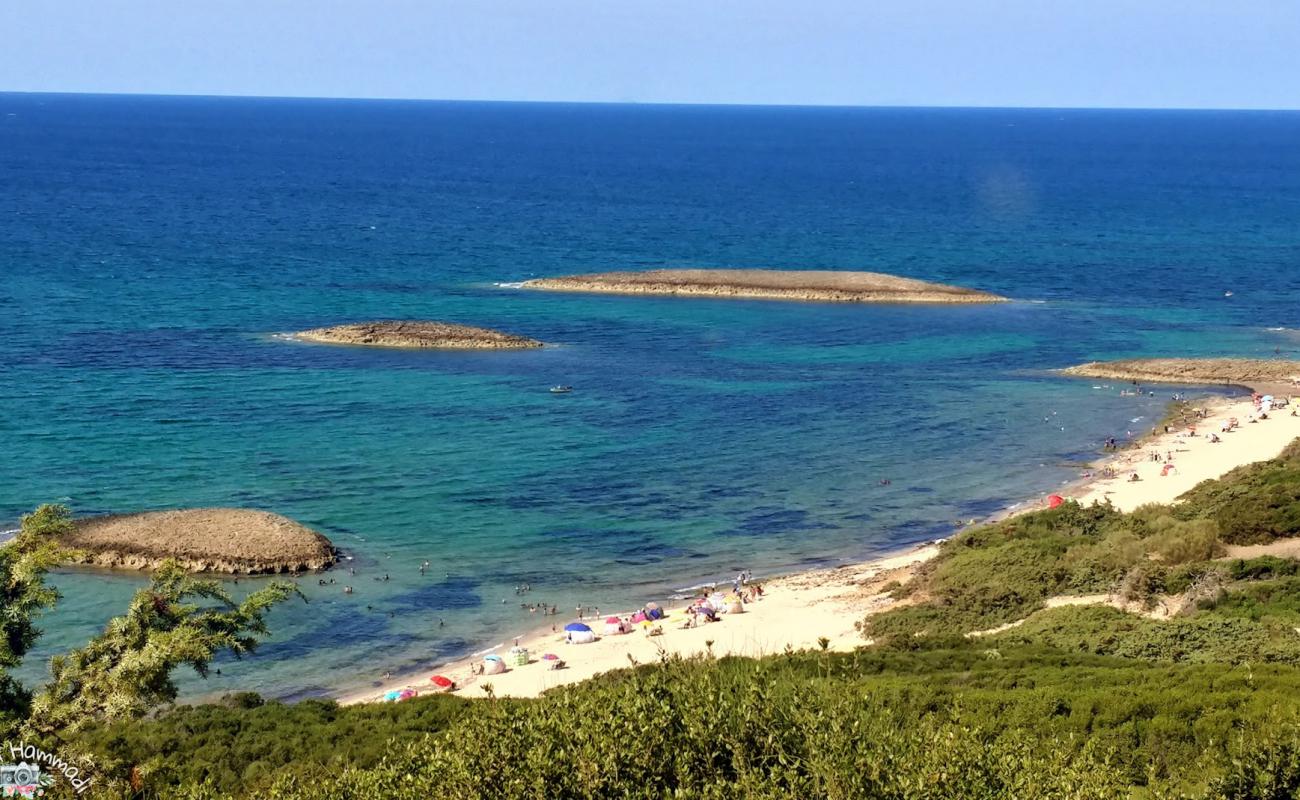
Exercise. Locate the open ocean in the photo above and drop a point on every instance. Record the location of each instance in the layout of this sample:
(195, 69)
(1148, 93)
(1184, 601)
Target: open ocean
(150, 249)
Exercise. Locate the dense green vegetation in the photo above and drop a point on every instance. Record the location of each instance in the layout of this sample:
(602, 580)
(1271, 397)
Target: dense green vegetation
(1075, 702)
(945, 719)
(997, 574)
(235, 745)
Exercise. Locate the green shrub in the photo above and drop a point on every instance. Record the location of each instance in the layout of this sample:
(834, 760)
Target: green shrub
(1203, 638)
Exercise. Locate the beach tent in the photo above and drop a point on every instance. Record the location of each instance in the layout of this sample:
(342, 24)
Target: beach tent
(493, 665)
(613, 626)
(1054, 500)
(518, 656)
(553, 661)
(734, 605)
(706, 610)
(578, 633)
(442, 683)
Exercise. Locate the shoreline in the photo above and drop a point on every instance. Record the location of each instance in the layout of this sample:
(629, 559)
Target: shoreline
(800, 608)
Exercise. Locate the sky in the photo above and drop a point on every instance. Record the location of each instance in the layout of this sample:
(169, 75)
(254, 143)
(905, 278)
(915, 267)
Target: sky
(1082, 53)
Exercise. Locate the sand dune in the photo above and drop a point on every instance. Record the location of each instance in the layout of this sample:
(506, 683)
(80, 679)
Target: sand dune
(808, 285)
(233, 540)
(417, 334)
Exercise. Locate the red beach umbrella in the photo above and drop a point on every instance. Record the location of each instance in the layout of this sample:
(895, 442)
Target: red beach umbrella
(1054, 500)
(442, 681)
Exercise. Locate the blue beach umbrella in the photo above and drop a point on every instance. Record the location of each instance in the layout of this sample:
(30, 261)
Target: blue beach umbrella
(576, 626)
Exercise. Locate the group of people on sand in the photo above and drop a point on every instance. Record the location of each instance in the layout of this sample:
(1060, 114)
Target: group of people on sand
(710, 605)
(1264, 404)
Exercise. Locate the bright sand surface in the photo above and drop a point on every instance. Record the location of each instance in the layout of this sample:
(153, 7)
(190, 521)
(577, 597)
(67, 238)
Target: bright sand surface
(1195, 457)
(795, 611)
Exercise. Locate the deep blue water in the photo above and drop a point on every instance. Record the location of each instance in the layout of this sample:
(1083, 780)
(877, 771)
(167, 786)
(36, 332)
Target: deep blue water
(151, 248)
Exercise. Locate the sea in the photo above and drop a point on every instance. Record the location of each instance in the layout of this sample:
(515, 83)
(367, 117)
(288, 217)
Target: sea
(154, 250)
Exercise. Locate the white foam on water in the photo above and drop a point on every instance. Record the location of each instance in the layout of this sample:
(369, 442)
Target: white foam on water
(509, 285)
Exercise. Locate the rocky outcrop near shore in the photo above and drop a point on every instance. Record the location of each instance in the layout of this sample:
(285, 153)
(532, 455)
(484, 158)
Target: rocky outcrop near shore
(417, 334)
(808, 285)
(231, 540)
(1233, 371)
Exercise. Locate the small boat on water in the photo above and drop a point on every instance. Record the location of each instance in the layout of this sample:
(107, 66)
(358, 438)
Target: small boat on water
(561, 389)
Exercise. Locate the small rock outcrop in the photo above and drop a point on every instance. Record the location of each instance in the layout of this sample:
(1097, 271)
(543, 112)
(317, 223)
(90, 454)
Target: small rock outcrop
(824, 286)
(1234, 371)
(231, 540)
(417, 334)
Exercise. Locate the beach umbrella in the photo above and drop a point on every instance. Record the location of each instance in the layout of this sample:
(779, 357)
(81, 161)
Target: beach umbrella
(576, 626)
(613, 620)
(550, 657)
(392, 695)
(1054, 500)
(407, 694)
(442, 682)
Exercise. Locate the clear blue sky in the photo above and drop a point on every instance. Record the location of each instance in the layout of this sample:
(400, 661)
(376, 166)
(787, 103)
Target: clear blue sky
(1112, 53)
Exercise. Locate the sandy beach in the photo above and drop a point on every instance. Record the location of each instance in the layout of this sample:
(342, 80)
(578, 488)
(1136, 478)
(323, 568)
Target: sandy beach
(1192, 456)
(794, 611)
(797, 610)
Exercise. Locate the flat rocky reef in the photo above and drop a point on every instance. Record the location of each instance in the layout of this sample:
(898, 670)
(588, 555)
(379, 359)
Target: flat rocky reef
(230, 540)
(417, 334)
(1259, 372)
(808, 285)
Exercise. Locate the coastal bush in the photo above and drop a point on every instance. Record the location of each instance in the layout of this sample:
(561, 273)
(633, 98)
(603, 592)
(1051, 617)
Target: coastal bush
(234, 745)
(961, 719)
(1275, 602)
(996, 574)
(1262, 567)
(1252, 504)
(1102, 630)
(1175, 541)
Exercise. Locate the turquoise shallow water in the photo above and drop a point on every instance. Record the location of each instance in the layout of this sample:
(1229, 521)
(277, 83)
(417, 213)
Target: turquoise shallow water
(152, 248)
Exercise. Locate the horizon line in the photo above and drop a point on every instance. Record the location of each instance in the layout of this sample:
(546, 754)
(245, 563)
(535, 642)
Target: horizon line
(649, 103)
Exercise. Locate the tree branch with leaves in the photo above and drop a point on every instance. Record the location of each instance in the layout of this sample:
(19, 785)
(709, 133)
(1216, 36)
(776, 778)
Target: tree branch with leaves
(24, 562)
(126, 671)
